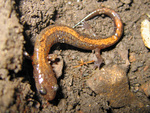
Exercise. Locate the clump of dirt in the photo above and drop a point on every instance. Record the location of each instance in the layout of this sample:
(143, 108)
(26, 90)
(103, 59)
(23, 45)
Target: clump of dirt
(11, 38)
(28, 18)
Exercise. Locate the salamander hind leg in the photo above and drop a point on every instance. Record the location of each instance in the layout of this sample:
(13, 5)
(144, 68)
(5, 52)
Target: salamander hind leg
(100, 60)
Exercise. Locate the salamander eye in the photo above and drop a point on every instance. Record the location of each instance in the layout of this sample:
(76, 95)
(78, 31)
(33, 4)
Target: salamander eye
(43, 91)
(55, 87)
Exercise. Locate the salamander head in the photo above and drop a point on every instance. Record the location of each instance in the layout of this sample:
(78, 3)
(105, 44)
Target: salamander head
(45, 80)
(46, 83)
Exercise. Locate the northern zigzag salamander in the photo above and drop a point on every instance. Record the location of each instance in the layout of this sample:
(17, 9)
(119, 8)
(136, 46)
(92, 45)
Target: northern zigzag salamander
(46, 82)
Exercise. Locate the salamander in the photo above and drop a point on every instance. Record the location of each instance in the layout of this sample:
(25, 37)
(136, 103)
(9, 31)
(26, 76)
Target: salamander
(45, 80)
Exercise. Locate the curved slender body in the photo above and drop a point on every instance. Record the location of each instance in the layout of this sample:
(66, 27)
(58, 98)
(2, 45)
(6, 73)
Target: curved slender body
(46, 82)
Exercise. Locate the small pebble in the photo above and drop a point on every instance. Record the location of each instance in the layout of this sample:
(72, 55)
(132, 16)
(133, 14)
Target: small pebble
(126, 1)
(146, 88)
(145, 32)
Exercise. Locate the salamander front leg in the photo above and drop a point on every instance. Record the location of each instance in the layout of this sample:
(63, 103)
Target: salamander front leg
(52, 57)
(100, 60)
